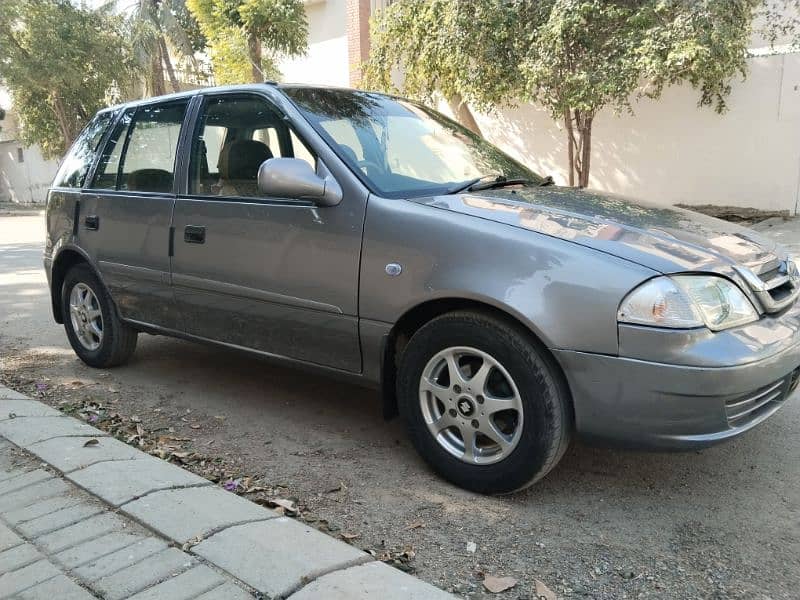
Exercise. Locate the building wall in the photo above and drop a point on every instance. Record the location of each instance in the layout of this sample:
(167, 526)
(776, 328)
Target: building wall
(674, 152)
(24, 181)
(327, 60)
(27, 181)
(670, 150)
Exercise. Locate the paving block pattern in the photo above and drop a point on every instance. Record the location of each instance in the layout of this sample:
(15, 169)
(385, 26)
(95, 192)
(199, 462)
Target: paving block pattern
(180, 515)
(71, 453)
(59, 587)
(22, 407)
(102, 521)
(374, 581)
(25, 431)
(126, 480)
(277, 556)
(70, 546)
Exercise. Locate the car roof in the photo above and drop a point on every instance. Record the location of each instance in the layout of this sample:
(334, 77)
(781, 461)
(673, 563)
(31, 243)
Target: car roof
(245, 87)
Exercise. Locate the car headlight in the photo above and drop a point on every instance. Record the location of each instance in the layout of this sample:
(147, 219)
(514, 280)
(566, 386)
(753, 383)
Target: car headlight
(687, 301)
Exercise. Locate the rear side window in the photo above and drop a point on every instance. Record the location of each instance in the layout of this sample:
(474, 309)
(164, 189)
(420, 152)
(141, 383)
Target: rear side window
(140, 155)
(72, 173)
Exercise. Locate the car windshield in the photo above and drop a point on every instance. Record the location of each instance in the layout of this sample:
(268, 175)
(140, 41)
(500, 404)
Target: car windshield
(401, 149)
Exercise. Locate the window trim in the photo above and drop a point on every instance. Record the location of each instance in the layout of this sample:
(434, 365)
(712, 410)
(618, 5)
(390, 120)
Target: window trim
(188, 100)
(101, 144)
(118, 111)
(203, 100)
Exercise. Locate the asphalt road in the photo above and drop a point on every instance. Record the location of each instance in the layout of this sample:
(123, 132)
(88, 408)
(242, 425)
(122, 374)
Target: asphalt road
(721, 523)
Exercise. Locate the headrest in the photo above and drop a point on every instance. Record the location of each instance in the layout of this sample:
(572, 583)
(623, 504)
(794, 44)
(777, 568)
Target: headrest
(240, 159)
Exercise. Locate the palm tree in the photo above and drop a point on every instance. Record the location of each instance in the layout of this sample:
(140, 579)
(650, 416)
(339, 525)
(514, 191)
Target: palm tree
(157, 26)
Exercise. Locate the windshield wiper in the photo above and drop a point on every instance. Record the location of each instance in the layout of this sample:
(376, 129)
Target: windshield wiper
(494, 182)
(498, 183)
(477, 184)
(467, 185)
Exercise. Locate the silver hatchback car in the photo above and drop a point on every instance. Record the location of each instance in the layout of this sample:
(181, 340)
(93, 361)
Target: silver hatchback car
(369, 237)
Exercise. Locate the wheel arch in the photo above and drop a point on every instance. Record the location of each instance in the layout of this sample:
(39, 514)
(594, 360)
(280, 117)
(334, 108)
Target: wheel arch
(417, 316)
(62, 263)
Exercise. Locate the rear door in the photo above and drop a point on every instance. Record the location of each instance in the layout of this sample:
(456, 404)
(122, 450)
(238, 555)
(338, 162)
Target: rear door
(272, 274)
(125, 215)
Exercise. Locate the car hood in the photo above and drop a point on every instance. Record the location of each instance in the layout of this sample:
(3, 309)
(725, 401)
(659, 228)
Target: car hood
(662, 238)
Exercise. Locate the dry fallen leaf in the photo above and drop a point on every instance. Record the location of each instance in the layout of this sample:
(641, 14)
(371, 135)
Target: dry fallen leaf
(415, 525)
(498, 584)
(350, 536)
(543, 592)
(91, 442)
(287, 505)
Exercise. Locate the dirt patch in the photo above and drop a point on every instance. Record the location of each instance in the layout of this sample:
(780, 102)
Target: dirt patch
(603, 525)
(737, 214)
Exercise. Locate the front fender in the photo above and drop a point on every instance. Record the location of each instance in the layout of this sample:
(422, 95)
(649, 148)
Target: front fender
(566, 294)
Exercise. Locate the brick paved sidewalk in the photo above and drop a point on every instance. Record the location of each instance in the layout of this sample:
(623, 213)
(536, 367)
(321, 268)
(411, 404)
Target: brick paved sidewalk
(56, 541)
(102, 519)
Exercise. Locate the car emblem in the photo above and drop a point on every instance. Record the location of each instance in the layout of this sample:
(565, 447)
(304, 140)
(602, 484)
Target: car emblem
(465, 407)
(393, 269)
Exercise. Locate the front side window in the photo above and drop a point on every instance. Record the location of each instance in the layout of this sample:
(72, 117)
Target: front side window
(140, 155)
(234, 136)
(72, 172)
(399, 148)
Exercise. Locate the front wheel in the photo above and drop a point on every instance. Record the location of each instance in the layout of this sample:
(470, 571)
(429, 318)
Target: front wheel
(95, 332)
(483, 404)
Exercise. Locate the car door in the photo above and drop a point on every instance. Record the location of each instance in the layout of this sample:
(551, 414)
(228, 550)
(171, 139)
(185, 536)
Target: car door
(275, 275)
(126, 211)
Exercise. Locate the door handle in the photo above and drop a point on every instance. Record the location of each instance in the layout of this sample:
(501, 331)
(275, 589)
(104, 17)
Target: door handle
(92, 222)
(194, 234)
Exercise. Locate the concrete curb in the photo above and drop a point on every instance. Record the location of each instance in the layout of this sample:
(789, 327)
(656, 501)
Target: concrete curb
(277, 556)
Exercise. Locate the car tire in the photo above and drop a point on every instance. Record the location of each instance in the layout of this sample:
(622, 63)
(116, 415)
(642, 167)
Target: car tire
(95, 332)
(509, 449)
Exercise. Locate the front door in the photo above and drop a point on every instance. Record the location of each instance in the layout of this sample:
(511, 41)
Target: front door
(272, 274)
(125, 213)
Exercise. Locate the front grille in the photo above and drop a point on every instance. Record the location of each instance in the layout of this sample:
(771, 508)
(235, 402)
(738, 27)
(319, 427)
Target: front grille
(745, 409)
(775, 283)
(794, 380)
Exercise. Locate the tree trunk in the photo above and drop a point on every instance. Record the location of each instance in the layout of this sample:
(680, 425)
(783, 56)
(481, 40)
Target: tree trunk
(586, 147)
(63, 122)
(173, 80)
(463, 114)
(156, 74)
(254, 52)
(570, 147)
(579, 145)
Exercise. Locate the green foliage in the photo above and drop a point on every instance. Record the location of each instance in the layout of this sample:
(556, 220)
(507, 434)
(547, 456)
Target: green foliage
(247, 36)
(781, 22)
(156, 27)
(61, 63)
(573, 57)
(470, 50)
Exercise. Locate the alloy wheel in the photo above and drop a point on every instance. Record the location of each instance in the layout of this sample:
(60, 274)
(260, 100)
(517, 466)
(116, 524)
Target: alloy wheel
(86, 316)
(471, 405)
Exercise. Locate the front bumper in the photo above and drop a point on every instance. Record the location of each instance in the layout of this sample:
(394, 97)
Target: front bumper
(640, 403)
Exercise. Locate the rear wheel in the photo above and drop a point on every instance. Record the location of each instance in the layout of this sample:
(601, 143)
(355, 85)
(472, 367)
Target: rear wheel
(95, 332)
(483, 404)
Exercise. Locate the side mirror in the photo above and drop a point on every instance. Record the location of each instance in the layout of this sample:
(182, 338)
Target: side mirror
(294, 178)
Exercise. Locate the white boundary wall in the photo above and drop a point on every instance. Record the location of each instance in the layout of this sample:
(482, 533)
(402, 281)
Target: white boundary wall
(670, 151)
